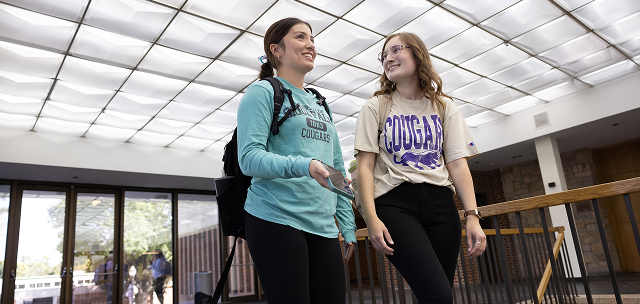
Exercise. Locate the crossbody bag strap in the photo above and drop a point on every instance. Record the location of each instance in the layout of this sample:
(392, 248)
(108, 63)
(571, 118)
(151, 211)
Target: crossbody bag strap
(225, 274)
(384, 109)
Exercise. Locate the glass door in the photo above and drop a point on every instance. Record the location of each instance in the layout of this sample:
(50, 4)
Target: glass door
(95, 262)
(40, 265)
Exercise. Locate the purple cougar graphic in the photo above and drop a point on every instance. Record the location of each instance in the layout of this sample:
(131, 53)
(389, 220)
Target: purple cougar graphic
(427, 158)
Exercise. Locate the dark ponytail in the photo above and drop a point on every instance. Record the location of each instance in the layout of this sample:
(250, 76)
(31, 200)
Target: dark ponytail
(266, 70)
(274, 35)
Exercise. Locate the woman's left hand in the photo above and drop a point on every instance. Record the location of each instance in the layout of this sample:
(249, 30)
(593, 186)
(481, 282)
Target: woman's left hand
(349, 253)
(476, 239)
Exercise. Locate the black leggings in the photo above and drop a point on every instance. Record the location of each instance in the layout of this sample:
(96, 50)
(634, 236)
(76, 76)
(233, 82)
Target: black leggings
(423, 222)
(295, 266)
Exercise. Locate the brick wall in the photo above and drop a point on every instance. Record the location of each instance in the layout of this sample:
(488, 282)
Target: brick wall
(525, 180)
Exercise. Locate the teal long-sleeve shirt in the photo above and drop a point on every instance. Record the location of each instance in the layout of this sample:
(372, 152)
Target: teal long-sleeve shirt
(282, 190)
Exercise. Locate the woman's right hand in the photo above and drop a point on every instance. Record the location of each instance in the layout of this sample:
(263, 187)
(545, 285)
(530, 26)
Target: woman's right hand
(318, 172)
(378, 233)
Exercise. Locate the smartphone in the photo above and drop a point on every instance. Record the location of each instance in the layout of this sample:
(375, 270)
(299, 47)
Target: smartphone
(337, 182)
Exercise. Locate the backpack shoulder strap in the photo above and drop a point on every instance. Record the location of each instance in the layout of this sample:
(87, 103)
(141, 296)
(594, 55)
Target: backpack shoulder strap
(321, 101)
(278, 99)
(384, 109)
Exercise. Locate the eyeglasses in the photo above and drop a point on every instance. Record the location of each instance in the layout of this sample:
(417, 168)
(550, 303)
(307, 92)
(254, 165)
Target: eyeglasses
(395, 50)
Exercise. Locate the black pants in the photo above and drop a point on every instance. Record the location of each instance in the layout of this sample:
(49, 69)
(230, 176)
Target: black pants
(158, 286)
(423, 222)
(295, 266)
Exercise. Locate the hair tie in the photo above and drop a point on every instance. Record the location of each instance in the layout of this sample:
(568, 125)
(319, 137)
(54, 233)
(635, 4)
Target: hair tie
(263, 59)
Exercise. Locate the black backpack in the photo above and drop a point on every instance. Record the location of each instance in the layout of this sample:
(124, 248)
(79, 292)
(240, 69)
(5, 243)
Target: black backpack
(231, 200)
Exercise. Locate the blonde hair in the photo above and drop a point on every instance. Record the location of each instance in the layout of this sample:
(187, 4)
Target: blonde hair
(429, 81)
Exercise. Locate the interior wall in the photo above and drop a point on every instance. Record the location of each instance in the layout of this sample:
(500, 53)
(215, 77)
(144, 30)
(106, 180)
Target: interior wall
(72, 152)
(586, 106)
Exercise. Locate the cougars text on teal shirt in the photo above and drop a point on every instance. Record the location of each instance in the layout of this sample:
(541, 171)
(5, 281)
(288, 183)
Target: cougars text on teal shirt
(281, 189)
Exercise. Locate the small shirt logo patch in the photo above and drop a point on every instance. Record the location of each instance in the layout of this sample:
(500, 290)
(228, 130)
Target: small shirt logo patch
(471, 144)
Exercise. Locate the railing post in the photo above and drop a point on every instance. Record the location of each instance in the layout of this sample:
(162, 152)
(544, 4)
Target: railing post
(346, 271)
(605, 247)
(503, 260)
(368, 252)
(383, 278)
(464, 273)
(401, 293)
(578, 247)
(555, 274)
(486, 278)
(358, 273)
(527, 259)
(632, 219)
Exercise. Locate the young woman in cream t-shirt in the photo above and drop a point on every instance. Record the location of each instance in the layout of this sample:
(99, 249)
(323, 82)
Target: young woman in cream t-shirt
(407, 172)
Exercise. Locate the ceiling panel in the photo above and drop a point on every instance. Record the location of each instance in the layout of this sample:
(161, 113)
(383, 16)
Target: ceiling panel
(197, 36)
(345, 79)
(17, 122)
(495, 59)
(478, 10)
(466, 45)
(172, 63)
(601, 13)
(152, 139)
(385, 16)
(436, 26)
(70, 113)
(284, 9)
(227, 76)
(34, 29)
(66, 9)
(593, 62)
(239, 13)
(550, 35)
(134, 18)
(336, 7)
(24, 85)
(574, 49)
(29, 61)
(342, 40)
(171, 73)
(93, 74)
(521, 18)
(20, 105)
(110, 48)
(59, 127)
(611, 72)
(153, 86)
(134, 104)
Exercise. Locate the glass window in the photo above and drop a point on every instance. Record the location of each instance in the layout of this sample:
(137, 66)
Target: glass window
(148, 248)
(5, 191)
(198, 241)
(43, 219)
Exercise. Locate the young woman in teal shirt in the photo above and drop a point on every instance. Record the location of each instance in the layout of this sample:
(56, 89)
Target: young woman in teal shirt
(290, 226)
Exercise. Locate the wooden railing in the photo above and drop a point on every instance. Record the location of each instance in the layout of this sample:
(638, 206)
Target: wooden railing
(550, 240)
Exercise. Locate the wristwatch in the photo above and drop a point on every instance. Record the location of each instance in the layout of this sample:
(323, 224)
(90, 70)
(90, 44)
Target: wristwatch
(473, 212)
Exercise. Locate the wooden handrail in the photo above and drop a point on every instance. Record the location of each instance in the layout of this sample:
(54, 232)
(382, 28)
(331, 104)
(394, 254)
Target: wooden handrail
(582, 194)
(547, 271)
(362, 233)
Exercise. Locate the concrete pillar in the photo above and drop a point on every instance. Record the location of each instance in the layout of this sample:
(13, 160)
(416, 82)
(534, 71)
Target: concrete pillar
(554, 182)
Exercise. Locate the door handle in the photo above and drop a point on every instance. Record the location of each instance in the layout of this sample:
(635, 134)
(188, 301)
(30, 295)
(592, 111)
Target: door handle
(115, 271)
(63, 273)
(13, 275)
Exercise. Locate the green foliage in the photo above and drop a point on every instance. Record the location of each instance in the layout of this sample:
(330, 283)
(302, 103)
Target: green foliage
(29, 267)
(146, 225)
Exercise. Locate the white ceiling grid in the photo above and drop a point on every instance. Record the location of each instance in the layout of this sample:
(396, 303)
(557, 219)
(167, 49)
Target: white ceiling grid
(171, 72)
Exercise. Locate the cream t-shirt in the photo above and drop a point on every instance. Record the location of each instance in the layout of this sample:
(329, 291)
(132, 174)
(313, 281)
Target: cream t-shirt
(416, 142)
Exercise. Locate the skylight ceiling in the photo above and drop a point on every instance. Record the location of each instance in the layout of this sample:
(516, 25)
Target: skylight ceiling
(171, 72)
